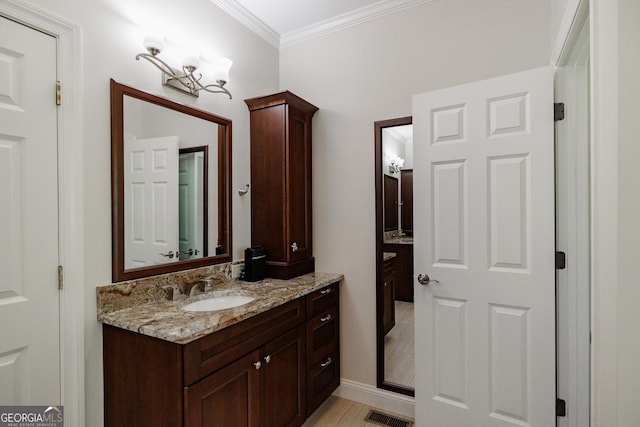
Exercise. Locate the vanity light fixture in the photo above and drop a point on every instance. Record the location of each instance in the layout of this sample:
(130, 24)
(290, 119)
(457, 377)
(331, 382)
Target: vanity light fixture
(187, 80)
(395, 165)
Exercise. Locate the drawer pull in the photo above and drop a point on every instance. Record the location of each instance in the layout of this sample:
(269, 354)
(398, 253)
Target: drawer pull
(325, 318)
(325, 291)
(327, 363)
(267, 358)
(257, 364)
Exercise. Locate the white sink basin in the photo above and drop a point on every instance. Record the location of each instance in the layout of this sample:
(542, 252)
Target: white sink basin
(218, 303)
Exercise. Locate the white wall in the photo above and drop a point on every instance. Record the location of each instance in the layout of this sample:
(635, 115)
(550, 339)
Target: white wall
(111, 39)
(368, 73)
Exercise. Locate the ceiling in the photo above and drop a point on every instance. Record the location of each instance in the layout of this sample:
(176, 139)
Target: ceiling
(287, 22)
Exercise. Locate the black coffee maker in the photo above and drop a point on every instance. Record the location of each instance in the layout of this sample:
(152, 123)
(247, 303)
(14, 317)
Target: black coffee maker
(255, 267)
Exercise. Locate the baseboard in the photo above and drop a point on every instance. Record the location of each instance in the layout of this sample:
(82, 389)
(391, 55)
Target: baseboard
(378, 398)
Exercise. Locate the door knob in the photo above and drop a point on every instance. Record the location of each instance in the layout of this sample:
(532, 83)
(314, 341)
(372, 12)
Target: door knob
(168, 254)
(425, 280)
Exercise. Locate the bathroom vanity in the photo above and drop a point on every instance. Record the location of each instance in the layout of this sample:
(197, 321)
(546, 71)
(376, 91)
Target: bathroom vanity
(270, 362)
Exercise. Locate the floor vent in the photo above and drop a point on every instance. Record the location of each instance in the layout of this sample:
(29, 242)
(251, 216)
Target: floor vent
(386, 420)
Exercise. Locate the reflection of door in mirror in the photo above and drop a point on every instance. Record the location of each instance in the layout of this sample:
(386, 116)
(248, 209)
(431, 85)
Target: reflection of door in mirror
(394, 255)
(192, 201)
(151, 189)
(169, 221)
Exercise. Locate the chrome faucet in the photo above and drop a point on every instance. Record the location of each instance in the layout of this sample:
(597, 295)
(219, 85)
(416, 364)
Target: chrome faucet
(198, 287)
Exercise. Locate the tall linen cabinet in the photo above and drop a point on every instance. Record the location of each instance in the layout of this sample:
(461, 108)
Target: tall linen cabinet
(281, 219)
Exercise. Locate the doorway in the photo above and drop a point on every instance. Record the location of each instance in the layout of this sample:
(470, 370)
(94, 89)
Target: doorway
(71, 197)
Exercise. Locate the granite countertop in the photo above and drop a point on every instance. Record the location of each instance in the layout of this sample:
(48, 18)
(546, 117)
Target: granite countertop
(386, 256)
(405, 240)
(166, 320)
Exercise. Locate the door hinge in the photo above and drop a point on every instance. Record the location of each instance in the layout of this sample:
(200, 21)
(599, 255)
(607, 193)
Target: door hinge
(58, 93)
(561, 260)
(60, 277)
(561, 408)
(558, 111)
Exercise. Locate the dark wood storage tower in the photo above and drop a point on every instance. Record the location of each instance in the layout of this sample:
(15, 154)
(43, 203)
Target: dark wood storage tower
(281, 182)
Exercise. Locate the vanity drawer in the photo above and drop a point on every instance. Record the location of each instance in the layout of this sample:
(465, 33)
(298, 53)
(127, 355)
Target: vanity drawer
(323, 378)
(322, 300)
(214, 351)
(323, 335)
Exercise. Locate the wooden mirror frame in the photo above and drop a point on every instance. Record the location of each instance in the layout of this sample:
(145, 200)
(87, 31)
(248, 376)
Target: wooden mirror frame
(380, 381)
(119, 273)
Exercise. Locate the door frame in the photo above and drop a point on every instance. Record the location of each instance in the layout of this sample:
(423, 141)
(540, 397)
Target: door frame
(70, 198)
(575, 374)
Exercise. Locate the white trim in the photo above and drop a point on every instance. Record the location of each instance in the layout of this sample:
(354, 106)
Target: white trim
(377, 398)
(70, 196)
(572, 233)
(340, 22)
(573, 19)
(346, 20)
(249, 20)
(604, 193)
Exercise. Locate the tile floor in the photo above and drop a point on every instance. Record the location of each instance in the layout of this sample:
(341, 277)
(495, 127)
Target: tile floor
(338, 412)
(399, 366)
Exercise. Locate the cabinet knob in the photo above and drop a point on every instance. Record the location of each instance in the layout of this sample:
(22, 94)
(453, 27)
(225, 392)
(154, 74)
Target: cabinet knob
(294, 247)
(267, 358)
(325, 318)
(327, 363)
(257, 364)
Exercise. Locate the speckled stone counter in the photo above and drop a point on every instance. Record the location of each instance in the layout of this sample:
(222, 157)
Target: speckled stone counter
(386, 256)
(404, 240)
(166, 320)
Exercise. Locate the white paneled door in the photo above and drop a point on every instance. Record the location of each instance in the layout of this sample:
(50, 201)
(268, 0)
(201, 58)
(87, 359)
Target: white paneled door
(151, 201)
(29, 300)
(484, 253)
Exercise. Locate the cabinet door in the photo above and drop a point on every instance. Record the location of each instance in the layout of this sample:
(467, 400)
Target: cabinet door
(389, 297)
(230, 397)
(283, 377)
(299, 185)
(406, 195)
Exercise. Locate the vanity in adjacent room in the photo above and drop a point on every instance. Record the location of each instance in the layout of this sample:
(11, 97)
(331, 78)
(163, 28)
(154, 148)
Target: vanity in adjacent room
(185, 344)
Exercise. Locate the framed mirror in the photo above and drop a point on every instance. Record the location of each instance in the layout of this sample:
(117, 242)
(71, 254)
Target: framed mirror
(393, 148)
(170, 185)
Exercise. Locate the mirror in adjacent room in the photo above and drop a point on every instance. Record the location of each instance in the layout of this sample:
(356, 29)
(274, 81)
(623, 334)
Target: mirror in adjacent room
(171, 191)
(394, 255)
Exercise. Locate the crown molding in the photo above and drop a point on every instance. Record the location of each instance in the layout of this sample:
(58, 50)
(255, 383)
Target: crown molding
(249, 20)
(340, 22)
(346, 20)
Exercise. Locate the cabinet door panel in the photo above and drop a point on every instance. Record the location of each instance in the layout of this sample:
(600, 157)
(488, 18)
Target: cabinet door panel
(323, 335)
(324, 377)
(284, 380)
(299, 185)
(389, 304)
(229, 397)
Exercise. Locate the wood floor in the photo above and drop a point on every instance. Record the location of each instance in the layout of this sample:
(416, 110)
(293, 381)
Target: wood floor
(399, 359)
(338, 412)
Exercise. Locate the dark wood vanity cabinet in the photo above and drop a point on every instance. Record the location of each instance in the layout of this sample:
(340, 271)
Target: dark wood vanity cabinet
(281, 182)
(403, 269)
(323, 345)
(388, 295)
(260, 389)
(260, 372)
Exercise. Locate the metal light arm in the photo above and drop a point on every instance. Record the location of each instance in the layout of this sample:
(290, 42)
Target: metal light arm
(186, 79)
